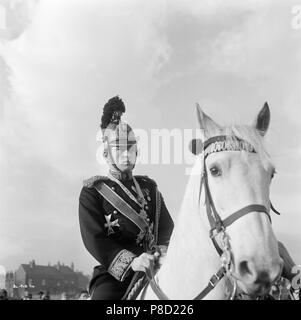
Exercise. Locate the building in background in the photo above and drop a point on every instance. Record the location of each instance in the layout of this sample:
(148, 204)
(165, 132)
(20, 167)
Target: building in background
(2, 277)
(56, 279)
(9, 284)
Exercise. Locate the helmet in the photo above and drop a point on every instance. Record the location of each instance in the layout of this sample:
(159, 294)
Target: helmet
(114, 131)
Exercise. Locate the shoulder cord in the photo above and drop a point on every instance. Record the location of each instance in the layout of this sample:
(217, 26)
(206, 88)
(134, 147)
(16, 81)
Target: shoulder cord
(140, 201)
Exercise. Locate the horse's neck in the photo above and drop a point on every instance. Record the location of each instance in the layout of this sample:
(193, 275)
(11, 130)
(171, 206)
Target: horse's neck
(191, 258)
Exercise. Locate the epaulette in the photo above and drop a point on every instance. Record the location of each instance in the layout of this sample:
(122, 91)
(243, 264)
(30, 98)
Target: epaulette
(147, 179)
(89, 183)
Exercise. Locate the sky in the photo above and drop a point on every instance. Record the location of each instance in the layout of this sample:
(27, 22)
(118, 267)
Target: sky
(60, 61)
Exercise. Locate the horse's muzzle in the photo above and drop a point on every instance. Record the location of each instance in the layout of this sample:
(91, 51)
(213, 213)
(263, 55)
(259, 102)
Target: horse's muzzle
(257, 280)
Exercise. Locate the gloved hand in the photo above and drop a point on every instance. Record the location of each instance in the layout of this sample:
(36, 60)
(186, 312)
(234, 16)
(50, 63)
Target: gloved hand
(142, 263)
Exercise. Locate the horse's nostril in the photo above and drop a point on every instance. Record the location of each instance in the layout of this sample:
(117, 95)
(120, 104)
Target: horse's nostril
(250, 274)
(258, 277)
(244, 269)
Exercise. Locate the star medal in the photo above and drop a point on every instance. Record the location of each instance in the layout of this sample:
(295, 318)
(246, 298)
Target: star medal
(110, 224)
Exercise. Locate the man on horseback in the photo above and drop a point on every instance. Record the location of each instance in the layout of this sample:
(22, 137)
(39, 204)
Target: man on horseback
(123, 218)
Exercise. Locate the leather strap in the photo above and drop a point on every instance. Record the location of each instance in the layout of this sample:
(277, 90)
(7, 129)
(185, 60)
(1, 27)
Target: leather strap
(245, 210)
(212, 283)
(122, 206)
(158, 214)
(150, 274)
(162, 296)
(272, 207)
(129, 294)
(214, 280)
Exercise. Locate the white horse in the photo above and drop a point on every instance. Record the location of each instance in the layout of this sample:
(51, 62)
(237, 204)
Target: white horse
(236, 178)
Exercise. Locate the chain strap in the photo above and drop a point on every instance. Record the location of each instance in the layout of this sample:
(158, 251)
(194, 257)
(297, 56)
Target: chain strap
(141, 202)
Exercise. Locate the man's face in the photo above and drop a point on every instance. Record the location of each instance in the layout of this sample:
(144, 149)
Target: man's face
(124, 157)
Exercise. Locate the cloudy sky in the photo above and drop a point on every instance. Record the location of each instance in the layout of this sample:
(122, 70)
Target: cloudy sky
(60, 61)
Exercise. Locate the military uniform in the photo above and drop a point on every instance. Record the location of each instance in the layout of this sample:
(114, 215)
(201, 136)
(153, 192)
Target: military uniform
(112, 238)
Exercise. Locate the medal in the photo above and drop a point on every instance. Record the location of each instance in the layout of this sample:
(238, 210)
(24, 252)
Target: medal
(110, 224)
(143, 214)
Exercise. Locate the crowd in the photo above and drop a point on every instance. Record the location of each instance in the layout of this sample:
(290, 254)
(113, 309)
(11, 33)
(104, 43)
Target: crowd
(83, 295)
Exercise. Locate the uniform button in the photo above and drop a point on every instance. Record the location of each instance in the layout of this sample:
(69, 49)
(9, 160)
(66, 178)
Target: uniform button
(115, 211)
(147, 219)
(140, 244)
(113, 188)
(148, 199)
(146, 207)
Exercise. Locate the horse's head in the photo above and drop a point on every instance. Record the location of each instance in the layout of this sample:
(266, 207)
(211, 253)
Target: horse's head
(238, 178)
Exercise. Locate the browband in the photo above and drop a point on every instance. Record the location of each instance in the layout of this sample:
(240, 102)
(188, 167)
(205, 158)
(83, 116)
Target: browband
(225, 143)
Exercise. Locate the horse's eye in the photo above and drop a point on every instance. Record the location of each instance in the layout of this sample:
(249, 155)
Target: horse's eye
(215, 171)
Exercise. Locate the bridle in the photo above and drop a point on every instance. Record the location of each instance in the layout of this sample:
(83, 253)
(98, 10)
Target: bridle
(217, 225)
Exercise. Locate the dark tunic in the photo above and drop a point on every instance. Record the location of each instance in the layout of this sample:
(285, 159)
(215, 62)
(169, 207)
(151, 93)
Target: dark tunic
(116, 250)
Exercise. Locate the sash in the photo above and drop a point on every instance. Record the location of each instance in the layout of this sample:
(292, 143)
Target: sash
(123, 207)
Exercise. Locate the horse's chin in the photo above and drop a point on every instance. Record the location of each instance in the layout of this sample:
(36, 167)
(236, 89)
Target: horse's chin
(255, 291)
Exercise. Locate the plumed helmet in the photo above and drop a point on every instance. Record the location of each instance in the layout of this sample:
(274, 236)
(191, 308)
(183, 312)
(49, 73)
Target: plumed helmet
(114, 131)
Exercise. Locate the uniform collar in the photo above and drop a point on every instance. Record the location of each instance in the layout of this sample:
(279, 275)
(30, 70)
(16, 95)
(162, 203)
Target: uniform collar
(122, 175)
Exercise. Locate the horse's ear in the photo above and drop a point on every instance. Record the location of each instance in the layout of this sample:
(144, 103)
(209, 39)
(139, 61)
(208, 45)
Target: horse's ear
(206, 123)
(263, 120)
(196, 146)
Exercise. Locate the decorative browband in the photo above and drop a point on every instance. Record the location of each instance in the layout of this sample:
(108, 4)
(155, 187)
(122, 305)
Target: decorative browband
(223, 143)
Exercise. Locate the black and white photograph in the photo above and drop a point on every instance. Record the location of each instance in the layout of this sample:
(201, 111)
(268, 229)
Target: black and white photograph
(150, 150)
